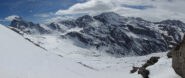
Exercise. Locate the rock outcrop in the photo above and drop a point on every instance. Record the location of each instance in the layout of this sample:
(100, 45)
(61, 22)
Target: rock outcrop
(142, 70)
(178, 58)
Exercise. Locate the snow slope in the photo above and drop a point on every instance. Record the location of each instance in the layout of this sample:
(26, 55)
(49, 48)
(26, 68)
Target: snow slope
(162, 69)
(20, 58)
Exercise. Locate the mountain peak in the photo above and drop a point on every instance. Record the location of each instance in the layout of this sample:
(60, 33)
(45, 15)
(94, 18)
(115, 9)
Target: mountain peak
(18, 19)
(85, 18)
(171, 22)
(109, 18)
(27, 27)
(117, 34)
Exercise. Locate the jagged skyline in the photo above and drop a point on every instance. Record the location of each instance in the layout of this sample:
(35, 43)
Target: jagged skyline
(49, 11)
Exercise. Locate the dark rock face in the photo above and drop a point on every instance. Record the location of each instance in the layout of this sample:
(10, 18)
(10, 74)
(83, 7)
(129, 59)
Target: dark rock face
(169, 54)
(84, 21)
(134, 69)
(174, 30)
(115, 34)
(178, 58)
(27, 27)
(127, 36)
(142, 70)
(151, 61)
(56, 27)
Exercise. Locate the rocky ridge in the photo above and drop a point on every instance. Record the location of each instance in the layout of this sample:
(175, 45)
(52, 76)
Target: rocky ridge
(112, 33)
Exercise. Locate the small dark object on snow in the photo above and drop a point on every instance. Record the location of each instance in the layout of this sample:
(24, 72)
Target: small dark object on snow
(134, 69)
(151, 61)
(169, 55)
(144, 72)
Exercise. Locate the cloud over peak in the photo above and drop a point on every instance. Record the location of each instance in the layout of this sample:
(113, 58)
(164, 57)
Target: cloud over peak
(12, 17)
(91, 6)
(153, 10)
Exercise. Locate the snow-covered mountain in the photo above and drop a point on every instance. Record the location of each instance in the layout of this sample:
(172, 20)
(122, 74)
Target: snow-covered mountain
(107, 32)
(20, 58)
(28, 27)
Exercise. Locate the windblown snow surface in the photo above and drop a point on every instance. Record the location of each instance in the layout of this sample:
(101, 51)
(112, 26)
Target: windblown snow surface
(19, 58)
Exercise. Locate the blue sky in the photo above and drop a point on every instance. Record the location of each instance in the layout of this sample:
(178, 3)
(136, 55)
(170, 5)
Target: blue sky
(28, 9)
(46, 11)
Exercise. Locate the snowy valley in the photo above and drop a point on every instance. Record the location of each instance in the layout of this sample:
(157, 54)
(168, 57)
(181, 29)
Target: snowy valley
(102, 46)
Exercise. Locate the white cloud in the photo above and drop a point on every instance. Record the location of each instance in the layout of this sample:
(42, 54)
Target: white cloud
(91, 6)
(10, 18)
(44, 15)
(162, 9)
(57, 19)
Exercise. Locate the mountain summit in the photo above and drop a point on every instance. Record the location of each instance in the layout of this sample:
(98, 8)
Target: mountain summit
(111, 33)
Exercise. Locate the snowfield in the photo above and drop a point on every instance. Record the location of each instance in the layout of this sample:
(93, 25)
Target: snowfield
(20, 58)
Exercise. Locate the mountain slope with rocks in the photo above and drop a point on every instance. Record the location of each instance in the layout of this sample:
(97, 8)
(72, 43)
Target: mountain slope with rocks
(110, 33)
(89, 47)
(19, 58)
